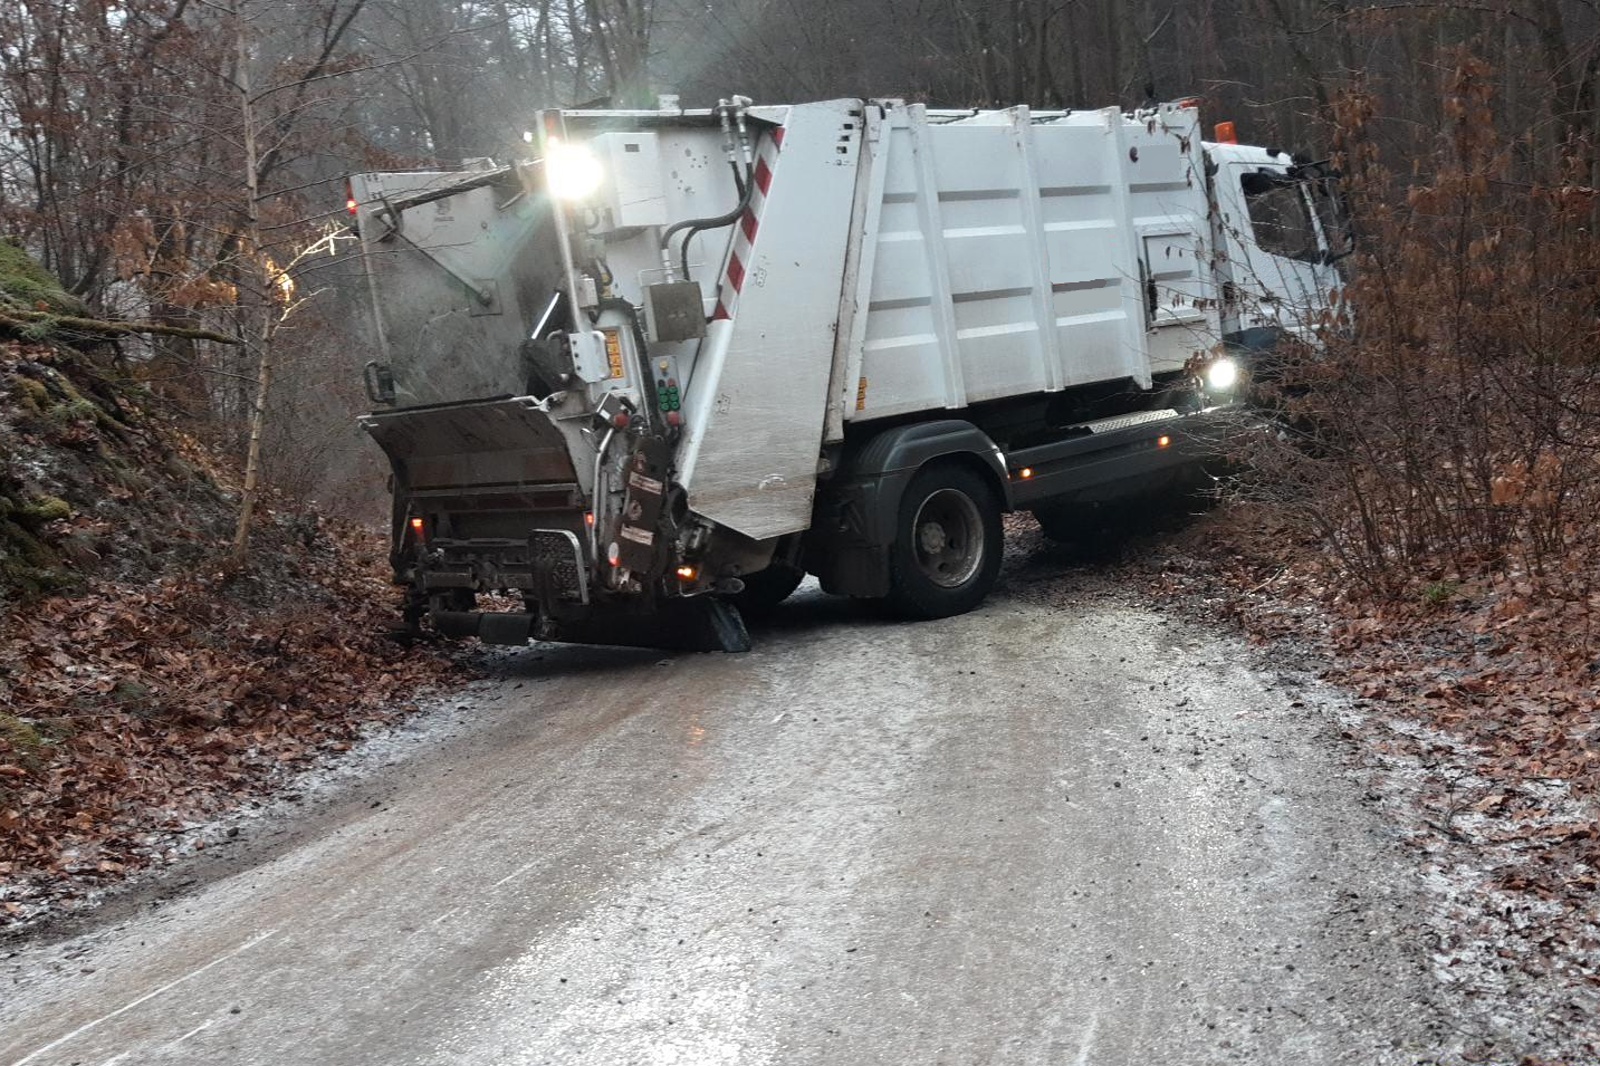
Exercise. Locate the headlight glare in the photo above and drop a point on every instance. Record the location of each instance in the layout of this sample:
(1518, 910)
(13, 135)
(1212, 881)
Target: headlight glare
(1222, 375)
(572, 172)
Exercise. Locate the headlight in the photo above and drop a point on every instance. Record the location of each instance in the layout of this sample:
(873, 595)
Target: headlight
(571, 172)
(1222, 375)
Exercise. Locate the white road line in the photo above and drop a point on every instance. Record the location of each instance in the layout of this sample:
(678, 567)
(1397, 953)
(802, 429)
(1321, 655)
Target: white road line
(197, 1029)
(125, 1008)
(1088, 1039)
(518, 872)
(116, 1059)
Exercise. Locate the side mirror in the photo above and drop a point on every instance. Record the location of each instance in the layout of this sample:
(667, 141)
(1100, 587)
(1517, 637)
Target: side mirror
(1329, 258)
(379, 380)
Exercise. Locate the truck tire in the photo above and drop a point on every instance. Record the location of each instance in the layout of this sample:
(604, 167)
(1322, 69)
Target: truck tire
(948, 543)
(767, 588)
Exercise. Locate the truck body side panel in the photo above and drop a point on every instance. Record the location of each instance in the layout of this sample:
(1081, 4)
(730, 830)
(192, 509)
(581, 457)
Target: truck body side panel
(1014, 255)
(759, 392)
(1163, 165)
(865, 219)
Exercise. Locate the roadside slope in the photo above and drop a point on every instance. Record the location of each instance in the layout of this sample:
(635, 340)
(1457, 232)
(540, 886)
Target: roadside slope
(145, 685)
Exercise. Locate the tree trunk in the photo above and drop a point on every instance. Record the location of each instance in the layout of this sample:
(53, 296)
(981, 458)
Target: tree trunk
(1571, 81)
(251, 299)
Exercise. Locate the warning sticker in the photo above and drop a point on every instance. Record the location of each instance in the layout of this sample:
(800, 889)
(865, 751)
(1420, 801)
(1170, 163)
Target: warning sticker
(637, 535)
(614, 352)
(638, 481)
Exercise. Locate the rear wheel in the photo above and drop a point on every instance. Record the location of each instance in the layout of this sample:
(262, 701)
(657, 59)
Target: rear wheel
(948, 543)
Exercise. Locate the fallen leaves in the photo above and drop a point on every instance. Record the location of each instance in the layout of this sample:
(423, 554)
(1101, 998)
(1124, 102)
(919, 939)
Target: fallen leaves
(140, 709)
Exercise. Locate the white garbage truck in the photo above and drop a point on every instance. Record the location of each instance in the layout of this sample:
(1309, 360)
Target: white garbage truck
(678, 359)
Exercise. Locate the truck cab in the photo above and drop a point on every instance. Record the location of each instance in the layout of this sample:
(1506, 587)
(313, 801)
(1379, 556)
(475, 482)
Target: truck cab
(1283, 231)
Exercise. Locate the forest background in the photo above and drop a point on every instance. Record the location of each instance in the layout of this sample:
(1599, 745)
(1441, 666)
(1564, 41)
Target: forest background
(181, 161)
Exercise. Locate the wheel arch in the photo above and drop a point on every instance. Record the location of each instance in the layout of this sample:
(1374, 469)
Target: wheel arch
(883, 468)
(858, 508)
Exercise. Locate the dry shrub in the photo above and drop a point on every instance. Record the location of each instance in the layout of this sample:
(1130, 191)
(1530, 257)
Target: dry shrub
(1451, 430)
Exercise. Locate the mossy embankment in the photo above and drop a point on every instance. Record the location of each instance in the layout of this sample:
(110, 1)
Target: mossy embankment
(146, 682)
(27, 286)
(88, 483)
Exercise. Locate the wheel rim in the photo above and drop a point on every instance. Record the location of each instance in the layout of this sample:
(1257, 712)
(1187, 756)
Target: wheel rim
(948, 538)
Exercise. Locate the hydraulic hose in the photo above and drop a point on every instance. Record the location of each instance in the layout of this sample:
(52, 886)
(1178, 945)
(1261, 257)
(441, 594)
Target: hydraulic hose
(744, 182)
(700, 225)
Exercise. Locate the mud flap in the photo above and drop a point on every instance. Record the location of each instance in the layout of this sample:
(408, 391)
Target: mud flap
(728, 626)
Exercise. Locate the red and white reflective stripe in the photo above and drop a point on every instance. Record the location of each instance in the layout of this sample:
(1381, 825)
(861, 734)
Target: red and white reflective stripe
(744, 236)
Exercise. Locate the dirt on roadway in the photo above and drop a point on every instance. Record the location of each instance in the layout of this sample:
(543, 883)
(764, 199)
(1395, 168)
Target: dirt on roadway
(1065, 829)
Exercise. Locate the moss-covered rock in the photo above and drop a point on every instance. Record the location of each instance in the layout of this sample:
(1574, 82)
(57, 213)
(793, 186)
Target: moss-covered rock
(28, 566)
(22, 736)
(36, 512)
(27, 285)
(127, 478)
(75, 410)
(26, 742)
(32, 396)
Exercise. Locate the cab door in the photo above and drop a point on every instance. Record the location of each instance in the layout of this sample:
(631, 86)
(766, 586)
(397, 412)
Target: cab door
(1281, 263)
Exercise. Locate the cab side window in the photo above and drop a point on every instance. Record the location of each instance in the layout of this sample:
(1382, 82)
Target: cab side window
(1280, 217)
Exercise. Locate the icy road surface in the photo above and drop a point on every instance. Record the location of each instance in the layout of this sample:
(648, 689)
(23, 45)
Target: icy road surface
(1066, 829)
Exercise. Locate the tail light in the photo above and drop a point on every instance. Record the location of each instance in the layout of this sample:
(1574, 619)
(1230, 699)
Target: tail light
(353, 206)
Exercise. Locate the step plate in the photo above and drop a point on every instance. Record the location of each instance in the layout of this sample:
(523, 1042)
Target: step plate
(1138, 418)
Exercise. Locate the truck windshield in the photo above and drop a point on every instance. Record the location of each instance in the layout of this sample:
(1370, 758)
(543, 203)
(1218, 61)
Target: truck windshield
(1280, 217)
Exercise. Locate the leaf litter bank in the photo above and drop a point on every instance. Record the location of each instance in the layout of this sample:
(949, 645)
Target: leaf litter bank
(144, 686)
